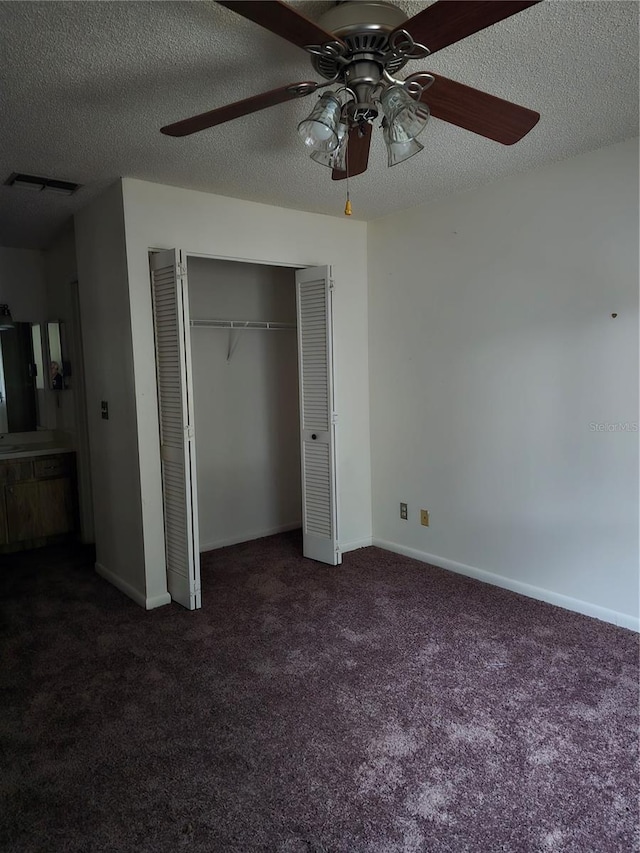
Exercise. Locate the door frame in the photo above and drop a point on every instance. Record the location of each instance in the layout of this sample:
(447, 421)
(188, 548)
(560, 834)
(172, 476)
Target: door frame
(269, 263)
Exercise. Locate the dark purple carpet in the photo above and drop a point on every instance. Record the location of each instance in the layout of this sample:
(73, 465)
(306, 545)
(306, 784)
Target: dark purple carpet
(382, 706)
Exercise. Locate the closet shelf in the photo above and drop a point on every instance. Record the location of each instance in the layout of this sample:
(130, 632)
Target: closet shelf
(242, 324)
(237, 326)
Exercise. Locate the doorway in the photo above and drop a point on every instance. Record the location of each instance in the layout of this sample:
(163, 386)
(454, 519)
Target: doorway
(176, 414)
(244, 357)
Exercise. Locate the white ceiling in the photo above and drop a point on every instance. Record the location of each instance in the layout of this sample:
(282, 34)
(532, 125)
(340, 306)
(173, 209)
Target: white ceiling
(87, 85)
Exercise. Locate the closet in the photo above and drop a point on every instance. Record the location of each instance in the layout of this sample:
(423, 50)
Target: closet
(244, 363)
(244, 356)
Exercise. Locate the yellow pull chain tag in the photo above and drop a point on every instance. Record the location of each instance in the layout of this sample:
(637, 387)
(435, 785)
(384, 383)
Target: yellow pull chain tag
(347, 208)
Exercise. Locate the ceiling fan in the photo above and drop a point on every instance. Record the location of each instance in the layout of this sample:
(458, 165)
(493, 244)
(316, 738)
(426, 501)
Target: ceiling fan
(358, 47)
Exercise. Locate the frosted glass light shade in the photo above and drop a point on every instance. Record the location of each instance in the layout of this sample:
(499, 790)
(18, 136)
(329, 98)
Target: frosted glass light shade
(399, 149)
(319, 130)
(406, 117)
(340, 154)
(335, 159)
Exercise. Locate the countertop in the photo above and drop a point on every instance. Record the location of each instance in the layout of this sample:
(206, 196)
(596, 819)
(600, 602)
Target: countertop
(20, 451)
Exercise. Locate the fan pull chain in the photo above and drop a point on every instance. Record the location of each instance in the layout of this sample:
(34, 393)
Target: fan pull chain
(347, 207)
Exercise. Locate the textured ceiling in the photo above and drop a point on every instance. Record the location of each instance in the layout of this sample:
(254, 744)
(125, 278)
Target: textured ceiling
(87, 85)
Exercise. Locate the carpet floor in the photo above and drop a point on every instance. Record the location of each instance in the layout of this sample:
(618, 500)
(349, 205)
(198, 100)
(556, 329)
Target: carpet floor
(383, 706)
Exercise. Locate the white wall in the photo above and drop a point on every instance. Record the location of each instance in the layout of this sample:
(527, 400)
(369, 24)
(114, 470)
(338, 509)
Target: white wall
(492, 351)
(246, 407)
(158, 216)
(22, 284)
(106, 330)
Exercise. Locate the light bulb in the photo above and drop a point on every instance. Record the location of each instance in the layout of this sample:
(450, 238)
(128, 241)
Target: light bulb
(320, 129)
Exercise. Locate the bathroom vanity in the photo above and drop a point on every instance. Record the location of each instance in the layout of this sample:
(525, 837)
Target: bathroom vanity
(38, 503)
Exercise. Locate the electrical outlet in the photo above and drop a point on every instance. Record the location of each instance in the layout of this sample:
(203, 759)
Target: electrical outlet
(403, 511)
(424, 517)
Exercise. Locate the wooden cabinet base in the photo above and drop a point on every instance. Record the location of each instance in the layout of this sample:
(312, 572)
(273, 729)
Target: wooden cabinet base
(38, 502)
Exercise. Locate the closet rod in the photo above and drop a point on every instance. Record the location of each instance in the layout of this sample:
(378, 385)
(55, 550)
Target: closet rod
(242, 324)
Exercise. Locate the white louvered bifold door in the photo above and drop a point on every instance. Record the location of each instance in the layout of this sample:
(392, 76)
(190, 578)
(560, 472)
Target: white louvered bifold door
(177, 440)
(317, 416)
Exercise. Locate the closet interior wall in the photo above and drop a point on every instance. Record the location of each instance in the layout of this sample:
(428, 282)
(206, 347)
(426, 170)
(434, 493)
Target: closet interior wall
(246, 401)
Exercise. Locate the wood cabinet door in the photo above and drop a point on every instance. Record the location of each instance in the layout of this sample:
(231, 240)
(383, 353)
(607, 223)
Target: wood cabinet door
(22, 511)
(38, 509)
(55, 507)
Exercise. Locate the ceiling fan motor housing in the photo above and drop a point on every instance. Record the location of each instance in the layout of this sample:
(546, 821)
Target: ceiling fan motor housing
(365, 28)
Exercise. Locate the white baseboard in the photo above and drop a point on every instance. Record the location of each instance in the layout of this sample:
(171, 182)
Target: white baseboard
(353, 546)
(249, 537)
(158, 601)
(132, 592)
(623, 620)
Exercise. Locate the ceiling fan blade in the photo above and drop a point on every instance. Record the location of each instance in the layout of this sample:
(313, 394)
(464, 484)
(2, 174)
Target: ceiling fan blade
(281, 19)
(449, 21)
(478, 112)
(357, 152)
(239, 108)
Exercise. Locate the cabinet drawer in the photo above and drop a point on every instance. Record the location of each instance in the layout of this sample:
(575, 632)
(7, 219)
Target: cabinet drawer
(51, 466)
(13, 472)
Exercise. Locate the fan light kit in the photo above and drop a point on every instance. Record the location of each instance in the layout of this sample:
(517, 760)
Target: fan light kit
(358, 48)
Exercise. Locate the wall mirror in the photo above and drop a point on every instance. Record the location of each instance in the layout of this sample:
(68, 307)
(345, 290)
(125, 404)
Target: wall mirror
(58, 367)
(21, 377)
